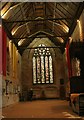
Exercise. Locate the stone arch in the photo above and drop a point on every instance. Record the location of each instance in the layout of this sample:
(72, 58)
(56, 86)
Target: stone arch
(27, 79)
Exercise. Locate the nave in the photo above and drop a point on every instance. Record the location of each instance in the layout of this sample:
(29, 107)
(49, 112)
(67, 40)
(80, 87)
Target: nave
(42, 49)
(40, 109)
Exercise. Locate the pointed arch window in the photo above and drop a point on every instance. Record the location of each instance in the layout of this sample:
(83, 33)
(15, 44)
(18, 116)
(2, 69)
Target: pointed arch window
(42, 65)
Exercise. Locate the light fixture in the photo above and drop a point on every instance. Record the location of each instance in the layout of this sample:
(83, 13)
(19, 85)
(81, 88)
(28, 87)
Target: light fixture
(80, 30)
(78, 21)
(0, 25)
(70, 38)
(3, 15)
(20, 42)
(66, 29)
(60, 39)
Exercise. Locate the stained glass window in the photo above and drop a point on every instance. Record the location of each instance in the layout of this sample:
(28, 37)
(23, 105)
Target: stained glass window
(76, 67)
(42, 65)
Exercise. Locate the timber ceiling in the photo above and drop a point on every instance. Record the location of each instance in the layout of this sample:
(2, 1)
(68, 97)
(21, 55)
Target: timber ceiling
(24, 21)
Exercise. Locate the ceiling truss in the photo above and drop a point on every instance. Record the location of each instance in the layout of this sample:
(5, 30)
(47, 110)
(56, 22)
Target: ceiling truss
(30, 20)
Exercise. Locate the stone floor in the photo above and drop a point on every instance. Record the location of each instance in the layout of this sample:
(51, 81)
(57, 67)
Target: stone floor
(40, 109)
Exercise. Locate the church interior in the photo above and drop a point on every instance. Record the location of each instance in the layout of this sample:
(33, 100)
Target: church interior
(42, 50)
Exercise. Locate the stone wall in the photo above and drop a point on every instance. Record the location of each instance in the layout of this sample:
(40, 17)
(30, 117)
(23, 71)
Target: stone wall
(11, 81)
(51, 90)
(9, 99)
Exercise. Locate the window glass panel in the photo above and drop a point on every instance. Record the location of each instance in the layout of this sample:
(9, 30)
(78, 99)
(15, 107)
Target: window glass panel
(38, 69)
(46, 68)
(42, 65)
(50, 67)
(75, 67)
(42, 69)
(34, 70)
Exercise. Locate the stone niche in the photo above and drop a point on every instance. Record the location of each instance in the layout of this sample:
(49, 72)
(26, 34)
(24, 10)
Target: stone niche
(42, 90)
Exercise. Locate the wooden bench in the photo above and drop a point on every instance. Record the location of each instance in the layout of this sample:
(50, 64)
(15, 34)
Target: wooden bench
(77, 103)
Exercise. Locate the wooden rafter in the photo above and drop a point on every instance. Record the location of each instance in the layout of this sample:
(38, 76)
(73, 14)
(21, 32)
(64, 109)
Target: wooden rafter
(74, 21)
(44, 19)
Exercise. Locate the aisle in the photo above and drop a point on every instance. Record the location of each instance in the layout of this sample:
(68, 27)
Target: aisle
(40, 109)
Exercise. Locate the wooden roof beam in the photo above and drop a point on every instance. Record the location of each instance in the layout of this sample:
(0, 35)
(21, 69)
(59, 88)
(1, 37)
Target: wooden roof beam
(74, 23)
(46, 36)
(9, 35)
(44, 19)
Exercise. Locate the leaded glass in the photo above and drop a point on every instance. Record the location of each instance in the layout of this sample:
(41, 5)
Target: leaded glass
(50, 68)
(42, 69)
(38, 69)
(42, 65)
(34, 70)
(47, 69)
